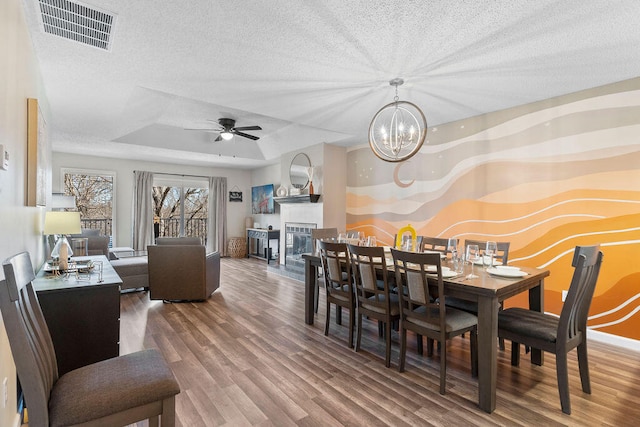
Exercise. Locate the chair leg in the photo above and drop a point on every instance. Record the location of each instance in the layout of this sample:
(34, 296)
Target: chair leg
(501, 343)
(443, 370)
(515, 353)
(563, 382)
(168, 417)
(380, 329)
(583, 363)
(387, 360)
(403, 348)
(154, 421)
(338, 315)
(352, 324)
(429, 347)
(327, 318)
(474, 353)
(419, 344)
(317, 291)
(359, 333)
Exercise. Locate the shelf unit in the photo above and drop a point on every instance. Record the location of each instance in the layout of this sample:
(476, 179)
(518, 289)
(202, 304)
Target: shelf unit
(302, 198)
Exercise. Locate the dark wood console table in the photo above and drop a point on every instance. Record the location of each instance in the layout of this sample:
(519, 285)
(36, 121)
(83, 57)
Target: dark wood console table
(257, 235)
(83, 315)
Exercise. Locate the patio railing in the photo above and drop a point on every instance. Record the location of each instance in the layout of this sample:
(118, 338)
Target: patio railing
(168, 227)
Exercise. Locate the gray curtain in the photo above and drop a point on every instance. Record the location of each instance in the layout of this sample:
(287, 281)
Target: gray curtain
(217, 221)
(142, 210)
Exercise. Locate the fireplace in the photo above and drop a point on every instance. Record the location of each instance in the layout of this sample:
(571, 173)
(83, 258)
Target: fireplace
(297, 242)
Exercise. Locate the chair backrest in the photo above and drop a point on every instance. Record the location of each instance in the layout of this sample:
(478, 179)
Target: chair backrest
(370, 276)
(573, 317)
(29, 337)
(437, 244)
(322, 233)
(503, 249)
(418, 300)
(178, 241)
(336, 267)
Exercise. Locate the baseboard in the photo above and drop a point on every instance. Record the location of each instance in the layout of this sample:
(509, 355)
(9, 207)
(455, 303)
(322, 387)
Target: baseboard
(616, 340)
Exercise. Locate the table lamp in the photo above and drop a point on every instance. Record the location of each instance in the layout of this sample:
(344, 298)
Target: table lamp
(62, 223)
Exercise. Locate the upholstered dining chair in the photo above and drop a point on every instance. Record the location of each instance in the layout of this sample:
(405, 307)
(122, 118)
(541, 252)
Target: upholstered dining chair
(374, 296)
(338, 282)
(319, 234)
(114, 392)
(436, 244)
(423, 308)
(559, 335)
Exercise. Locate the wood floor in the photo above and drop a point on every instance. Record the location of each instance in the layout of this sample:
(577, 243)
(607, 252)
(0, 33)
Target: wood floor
(246, 358)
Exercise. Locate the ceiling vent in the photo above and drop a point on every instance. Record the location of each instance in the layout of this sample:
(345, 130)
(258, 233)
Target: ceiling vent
(77, 22)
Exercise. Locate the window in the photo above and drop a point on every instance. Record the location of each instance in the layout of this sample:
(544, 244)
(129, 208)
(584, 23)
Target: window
(95, 194)
(180, 207)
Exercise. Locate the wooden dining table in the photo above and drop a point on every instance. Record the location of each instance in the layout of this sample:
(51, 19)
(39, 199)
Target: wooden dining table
(488, 291)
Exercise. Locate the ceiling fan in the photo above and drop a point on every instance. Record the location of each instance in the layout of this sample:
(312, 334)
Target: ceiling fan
(227, 128)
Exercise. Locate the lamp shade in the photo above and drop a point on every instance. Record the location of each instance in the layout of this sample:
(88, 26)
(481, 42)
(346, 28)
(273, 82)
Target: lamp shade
(62, 223)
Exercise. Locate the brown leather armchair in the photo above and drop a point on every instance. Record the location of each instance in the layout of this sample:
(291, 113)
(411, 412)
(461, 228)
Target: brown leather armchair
(179, 271)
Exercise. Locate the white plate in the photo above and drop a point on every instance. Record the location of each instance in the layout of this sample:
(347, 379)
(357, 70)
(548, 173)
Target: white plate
(507, 268)
(506, 272)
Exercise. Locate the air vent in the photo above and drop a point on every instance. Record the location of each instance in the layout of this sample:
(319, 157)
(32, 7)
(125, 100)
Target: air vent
(77, 22)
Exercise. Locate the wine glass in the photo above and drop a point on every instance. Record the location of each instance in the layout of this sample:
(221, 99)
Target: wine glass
(372, 241)
(342, 238)
(490, 251)
(407, 244)
(473, 256)
(361, 238)
(452, 247)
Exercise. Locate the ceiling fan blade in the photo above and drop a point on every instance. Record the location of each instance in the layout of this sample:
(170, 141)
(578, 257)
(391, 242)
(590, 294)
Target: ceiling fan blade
(203, 130)
(246, 135)
(219, 138)
(248, 128)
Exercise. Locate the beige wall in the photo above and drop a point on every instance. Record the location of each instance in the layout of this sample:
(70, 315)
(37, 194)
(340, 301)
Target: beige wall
(20, 226)
(124, 187)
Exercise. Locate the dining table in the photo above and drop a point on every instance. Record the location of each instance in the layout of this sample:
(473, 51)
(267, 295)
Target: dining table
(488, 291)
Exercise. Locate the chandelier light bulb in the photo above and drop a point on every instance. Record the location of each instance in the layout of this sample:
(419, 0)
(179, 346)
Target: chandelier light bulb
(226, 135)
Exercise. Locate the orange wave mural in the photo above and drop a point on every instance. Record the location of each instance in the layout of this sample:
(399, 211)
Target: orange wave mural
(546, 177)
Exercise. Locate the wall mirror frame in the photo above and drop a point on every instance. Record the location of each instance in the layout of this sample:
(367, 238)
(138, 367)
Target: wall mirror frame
(299, 171)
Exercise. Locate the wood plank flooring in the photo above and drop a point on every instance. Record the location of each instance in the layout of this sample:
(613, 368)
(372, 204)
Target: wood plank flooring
(245, 357)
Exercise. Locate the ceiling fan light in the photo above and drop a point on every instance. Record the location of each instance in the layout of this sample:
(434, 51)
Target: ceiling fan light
(226, 135)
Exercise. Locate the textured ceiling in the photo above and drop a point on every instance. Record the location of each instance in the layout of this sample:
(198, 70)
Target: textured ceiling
(315, 71)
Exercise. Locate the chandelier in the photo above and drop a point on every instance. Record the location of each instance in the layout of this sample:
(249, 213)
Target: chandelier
(398, 129)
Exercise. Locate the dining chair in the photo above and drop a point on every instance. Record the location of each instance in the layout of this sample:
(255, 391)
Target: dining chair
(559, 335)
(435, 244)
(114, 392)
(423, 308)
(374, 296)
(502, 255)
(338, 282)
(319, 234)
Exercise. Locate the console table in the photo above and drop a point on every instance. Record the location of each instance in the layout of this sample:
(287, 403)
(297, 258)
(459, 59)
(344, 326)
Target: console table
(83, 314)
(254, 238)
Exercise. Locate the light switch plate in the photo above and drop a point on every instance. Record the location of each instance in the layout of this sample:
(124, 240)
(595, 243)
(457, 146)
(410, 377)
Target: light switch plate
(4, 158)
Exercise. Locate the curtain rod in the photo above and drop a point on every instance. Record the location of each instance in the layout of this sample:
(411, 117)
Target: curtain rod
(179, 174)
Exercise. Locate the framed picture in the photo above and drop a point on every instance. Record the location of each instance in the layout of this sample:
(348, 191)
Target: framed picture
(235, 196)
(262, 199)
(37, 155)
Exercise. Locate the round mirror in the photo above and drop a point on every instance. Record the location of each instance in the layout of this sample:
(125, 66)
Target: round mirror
(299, 171)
